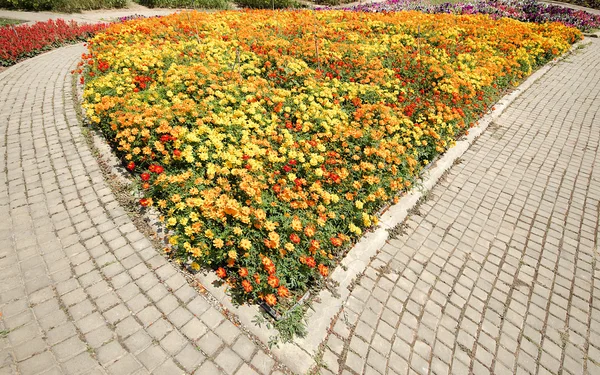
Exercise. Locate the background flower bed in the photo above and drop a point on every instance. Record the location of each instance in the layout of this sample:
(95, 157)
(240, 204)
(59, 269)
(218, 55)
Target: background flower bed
(22, 41)
(269, 140)
(62, 5)
(522, 10)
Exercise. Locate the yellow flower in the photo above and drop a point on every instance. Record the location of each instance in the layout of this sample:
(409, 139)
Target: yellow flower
(232, 254)
(218, 243)
(245, 244)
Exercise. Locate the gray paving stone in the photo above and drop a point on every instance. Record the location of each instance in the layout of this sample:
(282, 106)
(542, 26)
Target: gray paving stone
(228, 361)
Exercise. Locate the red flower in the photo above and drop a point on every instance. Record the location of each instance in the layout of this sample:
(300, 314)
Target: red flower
(292, 162)
(295, 238)
(287, 168)
(145, 176)
(176, 153)
(131, 166)
(165, 138)
(156, 169)
(144, 202)
(221, 272)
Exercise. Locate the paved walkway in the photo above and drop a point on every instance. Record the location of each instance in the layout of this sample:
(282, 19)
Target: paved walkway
(82, 291)
(499, 271)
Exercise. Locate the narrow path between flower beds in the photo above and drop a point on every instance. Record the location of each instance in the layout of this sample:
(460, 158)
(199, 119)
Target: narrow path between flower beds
(81, 289)
(498, 272)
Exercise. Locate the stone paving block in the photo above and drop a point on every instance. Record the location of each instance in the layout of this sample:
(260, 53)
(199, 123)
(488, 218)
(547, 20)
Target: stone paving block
(28, 349)
(167, 367)
(37, 364)
(194, 329)
(208, 368)
(190, 358)
(210, 343)
(152, 357)
(245, 369)
(82, 363)
(110, 353)
(138, 341)
(173, 342)
(244, 348)
(228, 332)
(127, 327)
(228, 360)
(99, 336)
(125, 365)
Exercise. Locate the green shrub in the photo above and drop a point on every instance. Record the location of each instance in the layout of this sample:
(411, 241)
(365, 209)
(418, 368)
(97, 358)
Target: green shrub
(334, 2)
(62, 5)
(205, 4)
(267, 4)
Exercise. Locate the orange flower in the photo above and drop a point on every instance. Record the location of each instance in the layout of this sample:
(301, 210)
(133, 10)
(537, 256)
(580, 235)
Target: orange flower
(270, 299)
(221, 272)
(323, 270)
(310, 261)
(243, 272)
(270, 269)
(283, 292)
(295, 238)
(335, 241)
(309, 231)
(256, 278)
(247, 286)
(273, 281)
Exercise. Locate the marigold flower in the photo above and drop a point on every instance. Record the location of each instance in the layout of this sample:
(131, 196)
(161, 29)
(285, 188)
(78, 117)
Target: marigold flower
(131, 166)
(243, 272)
(270, 299)
(245, 244)
(335, 241)
(295, 238)
(283, 292)
(310, 261)
(323, 270)
(221, 272)
(256, 278)
(247, 286)
(273, 281)
(144, 202)
(145, 176)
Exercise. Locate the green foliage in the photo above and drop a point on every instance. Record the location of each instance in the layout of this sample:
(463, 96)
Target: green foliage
(9, 21)
(334, 2)
(291, 325)
(62, 5)
(205, 4)
(268, 4)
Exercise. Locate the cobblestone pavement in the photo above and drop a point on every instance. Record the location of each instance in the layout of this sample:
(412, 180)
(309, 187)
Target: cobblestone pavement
(82, 291)
(498, 272)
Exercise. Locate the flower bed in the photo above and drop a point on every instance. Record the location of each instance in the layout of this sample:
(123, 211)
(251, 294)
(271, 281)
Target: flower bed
(269, 140)
(522, 10)
(22, 41)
